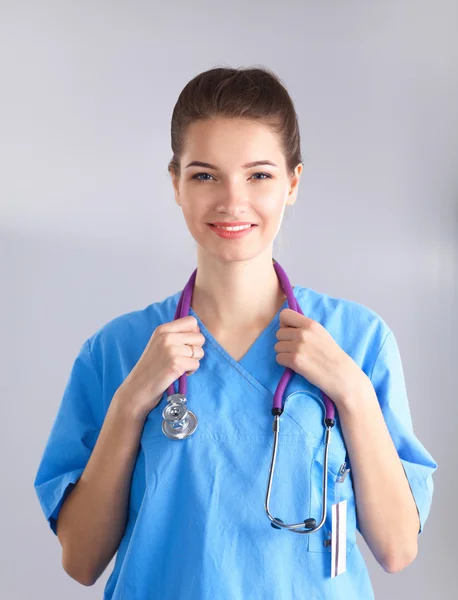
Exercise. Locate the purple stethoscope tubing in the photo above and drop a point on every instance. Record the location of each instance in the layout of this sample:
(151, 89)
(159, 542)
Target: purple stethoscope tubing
(182, 310)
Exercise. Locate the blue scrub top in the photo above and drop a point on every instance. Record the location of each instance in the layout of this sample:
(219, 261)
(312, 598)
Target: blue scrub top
(196, 527)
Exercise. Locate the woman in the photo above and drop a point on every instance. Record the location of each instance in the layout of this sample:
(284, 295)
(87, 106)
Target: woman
(187, 517)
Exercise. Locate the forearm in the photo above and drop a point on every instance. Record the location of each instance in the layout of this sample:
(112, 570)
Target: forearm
(386, 509)
(92, 520)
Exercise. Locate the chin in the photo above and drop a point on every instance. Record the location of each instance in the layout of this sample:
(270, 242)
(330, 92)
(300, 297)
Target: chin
(228, 255)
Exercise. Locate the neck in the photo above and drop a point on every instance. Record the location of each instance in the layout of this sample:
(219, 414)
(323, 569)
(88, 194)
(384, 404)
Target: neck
(238, 294)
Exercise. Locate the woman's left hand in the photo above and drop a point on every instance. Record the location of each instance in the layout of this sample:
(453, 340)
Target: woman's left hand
(307, 348)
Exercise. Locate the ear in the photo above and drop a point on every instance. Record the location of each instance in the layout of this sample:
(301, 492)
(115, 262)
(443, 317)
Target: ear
(176, 186)
(294, 185)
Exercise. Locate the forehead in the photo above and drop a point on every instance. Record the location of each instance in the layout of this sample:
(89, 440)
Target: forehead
(226, 139)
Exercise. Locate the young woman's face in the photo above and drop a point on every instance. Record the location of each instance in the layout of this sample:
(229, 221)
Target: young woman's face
(227, 190)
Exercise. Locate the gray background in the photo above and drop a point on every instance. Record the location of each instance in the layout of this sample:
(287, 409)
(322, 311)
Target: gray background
(90, 230)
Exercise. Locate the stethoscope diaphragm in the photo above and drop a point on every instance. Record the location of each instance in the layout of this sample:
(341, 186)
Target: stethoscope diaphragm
(179, 422)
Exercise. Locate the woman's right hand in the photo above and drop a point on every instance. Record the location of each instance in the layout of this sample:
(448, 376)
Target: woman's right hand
(165, 358)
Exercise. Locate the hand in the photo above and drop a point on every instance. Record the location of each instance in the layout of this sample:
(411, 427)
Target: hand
(165, 358)
(307, 348)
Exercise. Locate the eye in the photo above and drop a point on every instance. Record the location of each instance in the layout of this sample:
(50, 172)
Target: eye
(197, 175)
(266, 174)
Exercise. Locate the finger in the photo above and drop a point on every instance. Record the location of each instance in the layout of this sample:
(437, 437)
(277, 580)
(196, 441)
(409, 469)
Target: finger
(287, 333)
(194, 338)
(188, 323)
(191, 366)
(291, 318)
(198, 352)
(283, 347)
(181, 345)
(186, 351)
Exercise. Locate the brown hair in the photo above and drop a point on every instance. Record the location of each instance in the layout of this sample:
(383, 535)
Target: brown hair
(250, 93)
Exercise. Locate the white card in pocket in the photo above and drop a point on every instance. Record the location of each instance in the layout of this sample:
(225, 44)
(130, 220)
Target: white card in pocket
(339, 538)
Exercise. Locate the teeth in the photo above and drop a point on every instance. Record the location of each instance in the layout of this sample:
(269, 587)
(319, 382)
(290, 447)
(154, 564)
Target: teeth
(239, 228)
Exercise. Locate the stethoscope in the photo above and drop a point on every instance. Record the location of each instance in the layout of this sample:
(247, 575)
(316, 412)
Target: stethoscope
(180, 423)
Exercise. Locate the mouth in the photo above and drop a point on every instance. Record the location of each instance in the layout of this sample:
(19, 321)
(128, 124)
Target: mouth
(231, 231)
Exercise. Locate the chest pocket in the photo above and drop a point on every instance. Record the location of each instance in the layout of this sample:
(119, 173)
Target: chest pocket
(304, 409)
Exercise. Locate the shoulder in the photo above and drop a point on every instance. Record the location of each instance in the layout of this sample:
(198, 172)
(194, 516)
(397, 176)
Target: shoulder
(133, 328)
(326, 306)
(356, 327)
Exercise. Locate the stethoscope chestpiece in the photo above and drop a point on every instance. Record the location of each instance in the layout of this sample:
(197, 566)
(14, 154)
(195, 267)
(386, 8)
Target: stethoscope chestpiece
(179, 422)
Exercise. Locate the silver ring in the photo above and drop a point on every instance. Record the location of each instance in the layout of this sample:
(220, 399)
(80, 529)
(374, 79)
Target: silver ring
(192, 348)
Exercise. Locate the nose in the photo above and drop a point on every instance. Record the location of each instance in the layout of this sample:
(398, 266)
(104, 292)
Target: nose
(233, 200)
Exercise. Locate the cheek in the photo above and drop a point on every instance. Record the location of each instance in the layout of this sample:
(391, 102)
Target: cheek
(272, 210)
(271, 204)
(195, 214)
(193, 208)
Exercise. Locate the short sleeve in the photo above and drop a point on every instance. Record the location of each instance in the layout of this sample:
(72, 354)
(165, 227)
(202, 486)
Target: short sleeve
(388, 381)
(72, 438)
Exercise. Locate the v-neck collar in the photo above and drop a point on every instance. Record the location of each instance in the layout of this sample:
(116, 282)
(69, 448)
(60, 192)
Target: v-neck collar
(243, 365)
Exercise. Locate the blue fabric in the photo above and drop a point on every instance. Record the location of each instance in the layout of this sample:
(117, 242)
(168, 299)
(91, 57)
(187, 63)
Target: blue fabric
(197, 528)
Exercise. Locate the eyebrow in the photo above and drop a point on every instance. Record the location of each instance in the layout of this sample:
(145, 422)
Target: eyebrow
(256, 163)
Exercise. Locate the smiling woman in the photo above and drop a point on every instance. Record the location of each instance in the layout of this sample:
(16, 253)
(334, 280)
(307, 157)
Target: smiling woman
(186, 515)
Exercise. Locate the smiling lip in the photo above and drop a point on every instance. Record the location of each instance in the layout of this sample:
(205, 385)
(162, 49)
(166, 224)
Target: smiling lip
(223, 224)
(225, 233)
